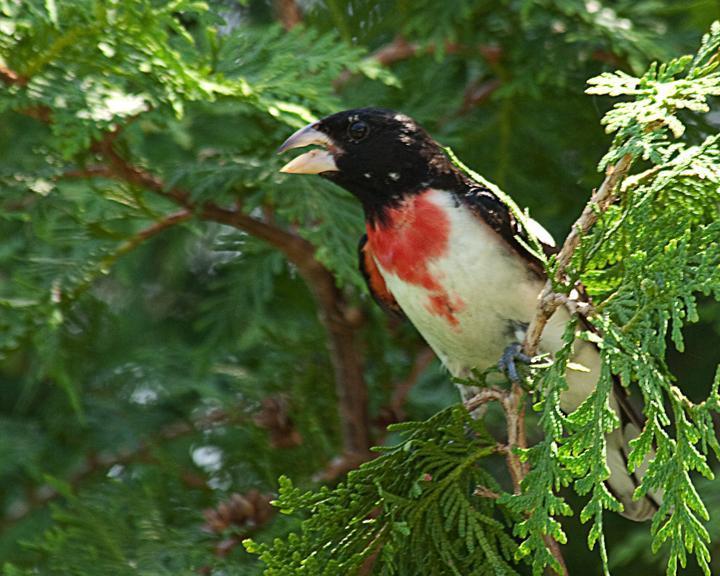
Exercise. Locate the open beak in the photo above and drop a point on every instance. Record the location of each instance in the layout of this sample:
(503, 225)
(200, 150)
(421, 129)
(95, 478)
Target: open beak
(315, 161)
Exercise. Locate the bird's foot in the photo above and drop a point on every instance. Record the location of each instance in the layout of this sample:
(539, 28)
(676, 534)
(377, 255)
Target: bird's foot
(508, 361)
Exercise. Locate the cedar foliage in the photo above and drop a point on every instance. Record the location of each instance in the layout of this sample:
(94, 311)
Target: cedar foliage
(173, 310)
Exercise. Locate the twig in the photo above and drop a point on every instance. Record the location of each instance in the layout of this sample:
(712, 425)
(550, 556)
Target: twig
(485, 492)
(555, 550)
(549, 301)
(476, 94)
(395, 51)
(288, 13)
(139, 237)
(513, 405)
(9, 76)
(484, 396)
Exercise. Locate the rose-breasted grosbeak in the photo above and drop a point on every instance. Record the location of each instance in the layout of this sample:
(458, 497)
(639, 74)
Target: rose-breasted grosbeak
(443, 250)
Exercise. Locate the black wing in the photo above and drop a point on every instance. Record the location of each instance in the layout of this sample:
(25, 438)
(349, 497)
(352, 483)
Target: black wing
(496, 214)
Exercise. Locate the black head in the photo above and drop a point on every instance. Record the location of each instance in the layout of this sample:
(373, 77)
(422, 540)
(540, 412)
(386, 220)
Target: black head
(379, 155)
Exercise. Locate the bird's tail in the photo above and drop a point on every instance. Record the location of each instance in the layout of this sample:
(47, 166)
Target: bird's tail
(622, 483)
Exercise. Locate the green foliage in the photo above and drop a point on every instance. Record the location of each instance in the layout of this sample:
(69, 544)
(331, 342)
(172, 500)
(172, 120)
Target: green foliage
(665, 254)
(131, 345)
(416, 505)
(539, 500)
(661, 249)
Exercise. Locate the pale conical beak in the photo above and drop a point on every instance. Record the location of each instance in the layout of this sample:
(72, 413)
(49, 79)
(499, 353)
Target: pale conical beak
(312, 162)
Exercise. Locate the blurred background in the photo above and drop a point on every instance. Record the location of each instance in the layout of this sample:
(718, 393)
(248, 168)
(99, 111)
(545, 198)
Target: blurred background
(180, 324)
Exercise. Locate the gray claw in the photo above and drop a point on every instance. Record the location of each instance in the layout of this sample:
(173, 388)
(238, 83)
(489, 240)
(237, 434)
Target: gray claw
(512, 354)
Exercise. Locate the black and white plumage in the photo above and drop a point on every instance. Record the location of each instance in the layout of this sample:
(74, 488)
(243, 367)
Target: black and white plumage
(442, 250)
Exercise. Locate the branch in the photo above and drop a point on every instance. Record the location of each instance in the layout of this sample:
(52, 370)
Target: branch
(127, 246)
(138, 238)
(395, 51)
(485, 396)
(512, 401)
(340, 321)
(288, 13)
(10, 77)
(513, 404)
(599, 202)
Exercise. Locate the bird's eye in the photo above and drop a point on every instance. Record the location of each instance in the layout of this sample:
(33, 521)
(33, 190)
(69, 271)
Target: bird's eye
(358, 130)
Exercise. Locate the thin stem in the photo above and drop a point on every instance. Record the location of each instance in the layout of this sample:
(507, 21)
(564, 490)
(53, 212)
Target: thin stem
(599, 202)
(513, 404)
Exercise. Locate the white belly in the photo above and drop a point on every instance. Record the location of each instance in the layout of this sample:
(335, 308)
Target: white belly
(493, 293)
(488, 283)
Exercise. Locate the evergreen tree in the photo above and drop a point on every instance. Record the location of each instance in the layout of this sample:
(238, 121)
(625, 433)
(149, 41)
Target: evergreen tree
(190, 361)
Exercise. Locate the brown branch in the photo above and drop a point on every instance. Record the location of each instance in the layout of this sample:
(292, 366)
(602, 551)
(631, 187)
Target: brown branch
(127, 246)
(554, 547)
(485, 492)
(514, 407)
(513, 401)
(599, 202)
(477, 94)
(146, 233)
(484, 396)
(9, 76)
(396, 51)
(513, 404)
(288, 13)
(340, 321)
(120, 169)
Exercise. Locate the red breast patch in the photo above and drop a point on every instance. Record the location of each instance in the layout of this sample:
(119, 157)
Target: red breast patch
(412, 236)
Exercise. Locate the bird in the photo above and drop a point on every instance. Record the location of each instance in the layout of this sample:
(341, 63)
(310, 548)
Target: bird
(447, 253)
